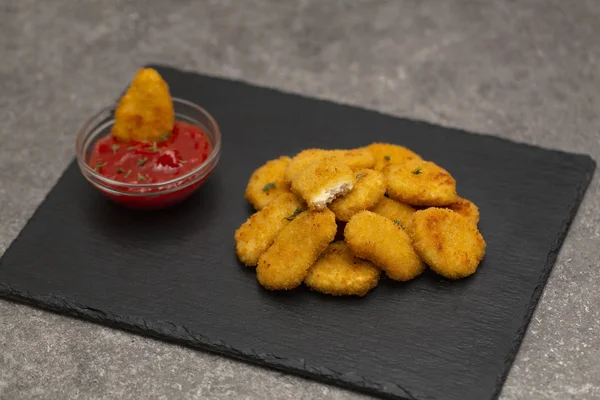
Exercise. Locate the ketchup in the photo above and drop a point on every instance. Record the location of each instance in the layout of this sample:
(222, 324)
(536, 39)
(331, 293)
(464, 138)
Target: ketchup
(142, 162)
(183, 151)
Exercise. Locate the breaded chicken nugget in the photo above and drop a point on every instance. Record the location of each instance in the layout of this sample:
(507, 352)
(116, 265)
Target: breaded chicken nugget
(267, 183)
(255, 235)
(449, 243)
(295, 249)
(369, 188)
(301, 161)
(145, 112)
(398, 212)
(338, 272)
(385, 244)
(467, 209)
(320, 183)
(385, 154)
(355, 159)
(420, 183)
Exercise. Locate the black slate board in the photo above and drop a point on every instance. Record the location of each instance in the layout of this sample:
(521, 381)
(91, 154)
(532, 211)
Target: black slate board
(174, 275)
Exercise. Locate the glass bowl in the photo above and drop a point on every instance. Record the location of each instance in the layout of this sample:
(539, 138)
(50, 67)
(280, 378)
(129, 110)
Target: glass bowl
(152, 195)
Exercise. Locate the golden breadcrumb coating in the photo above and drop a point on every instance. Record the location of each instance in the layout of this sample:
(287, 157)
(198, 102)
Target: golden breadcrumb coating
(145, 112)
(267, 183)
(255, 235)
(398, 212)
(338, 272)
(295, 249)
(320, 183)
(355, 159)
(449, 243)
(369, 188)
(301, 161)
(420, 183)
(385, 154)
(384, 243)
(467, 209)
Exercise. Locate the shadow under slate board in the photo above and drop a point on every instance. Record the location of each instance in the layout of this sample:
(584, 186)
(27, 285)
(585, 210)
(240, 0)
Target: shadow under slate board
(173, 274)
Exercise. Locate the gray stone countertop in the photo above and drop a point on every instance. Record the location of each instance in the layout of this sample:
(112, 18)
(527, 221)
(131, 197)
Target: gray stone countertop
(527, 70)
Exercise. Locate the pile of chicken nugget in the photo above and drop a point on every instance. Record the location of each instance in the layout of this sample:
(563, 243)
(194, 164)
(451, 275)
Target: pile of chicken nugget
(335, 219)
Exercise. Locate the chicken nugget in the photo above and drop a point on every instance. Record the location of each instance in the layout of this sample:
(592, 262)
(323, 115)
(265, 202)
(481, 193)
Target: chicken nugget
(398, 212)
(301, 161)
(320, 183)
(376, 238)
(338, 272)
(255, 235)
(295, 249)
(467, 209)
(420, 183)
(145, 112)
(385, 154)
(449, 243)
(368, 189)
(355, 159)
(267, 183)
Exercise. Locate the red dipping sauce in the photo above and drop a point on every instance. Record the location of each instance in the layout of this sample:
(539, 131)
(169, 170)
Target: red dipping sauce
(143, 163)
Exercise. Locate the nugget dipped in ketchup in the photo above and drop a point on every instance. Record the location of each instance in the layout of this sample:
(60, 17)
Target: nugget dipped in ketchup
(147, 144)
(148, 152)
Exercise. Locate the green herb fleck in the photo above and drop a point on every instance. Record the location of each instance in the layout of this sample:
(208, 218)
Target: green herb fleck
(154, 146)
(127, 173)
(387, 158)
(115, 147)
(417, 171)
(399, 223)
(359, 176)
(130, 148)
(294, 214)
(99, 165)
(269, 186)
(141, 177)
(120, 170)
(164, 137)
(141, 161)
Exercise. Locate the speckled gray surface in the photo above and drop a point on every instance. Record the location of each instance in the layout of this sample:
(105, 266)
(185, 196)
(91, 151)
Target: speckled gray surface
(526, 70)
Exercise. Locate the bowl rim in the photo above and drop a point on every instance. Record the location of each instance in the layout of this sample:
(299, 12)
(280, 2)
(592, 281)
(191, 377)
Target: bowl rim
(92, 124)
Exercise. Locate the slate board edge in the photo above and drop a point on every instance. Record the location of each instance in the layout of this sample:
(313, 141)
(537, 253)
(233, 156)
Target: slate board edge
(454, 129)
(178, 334)
(548, 267)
